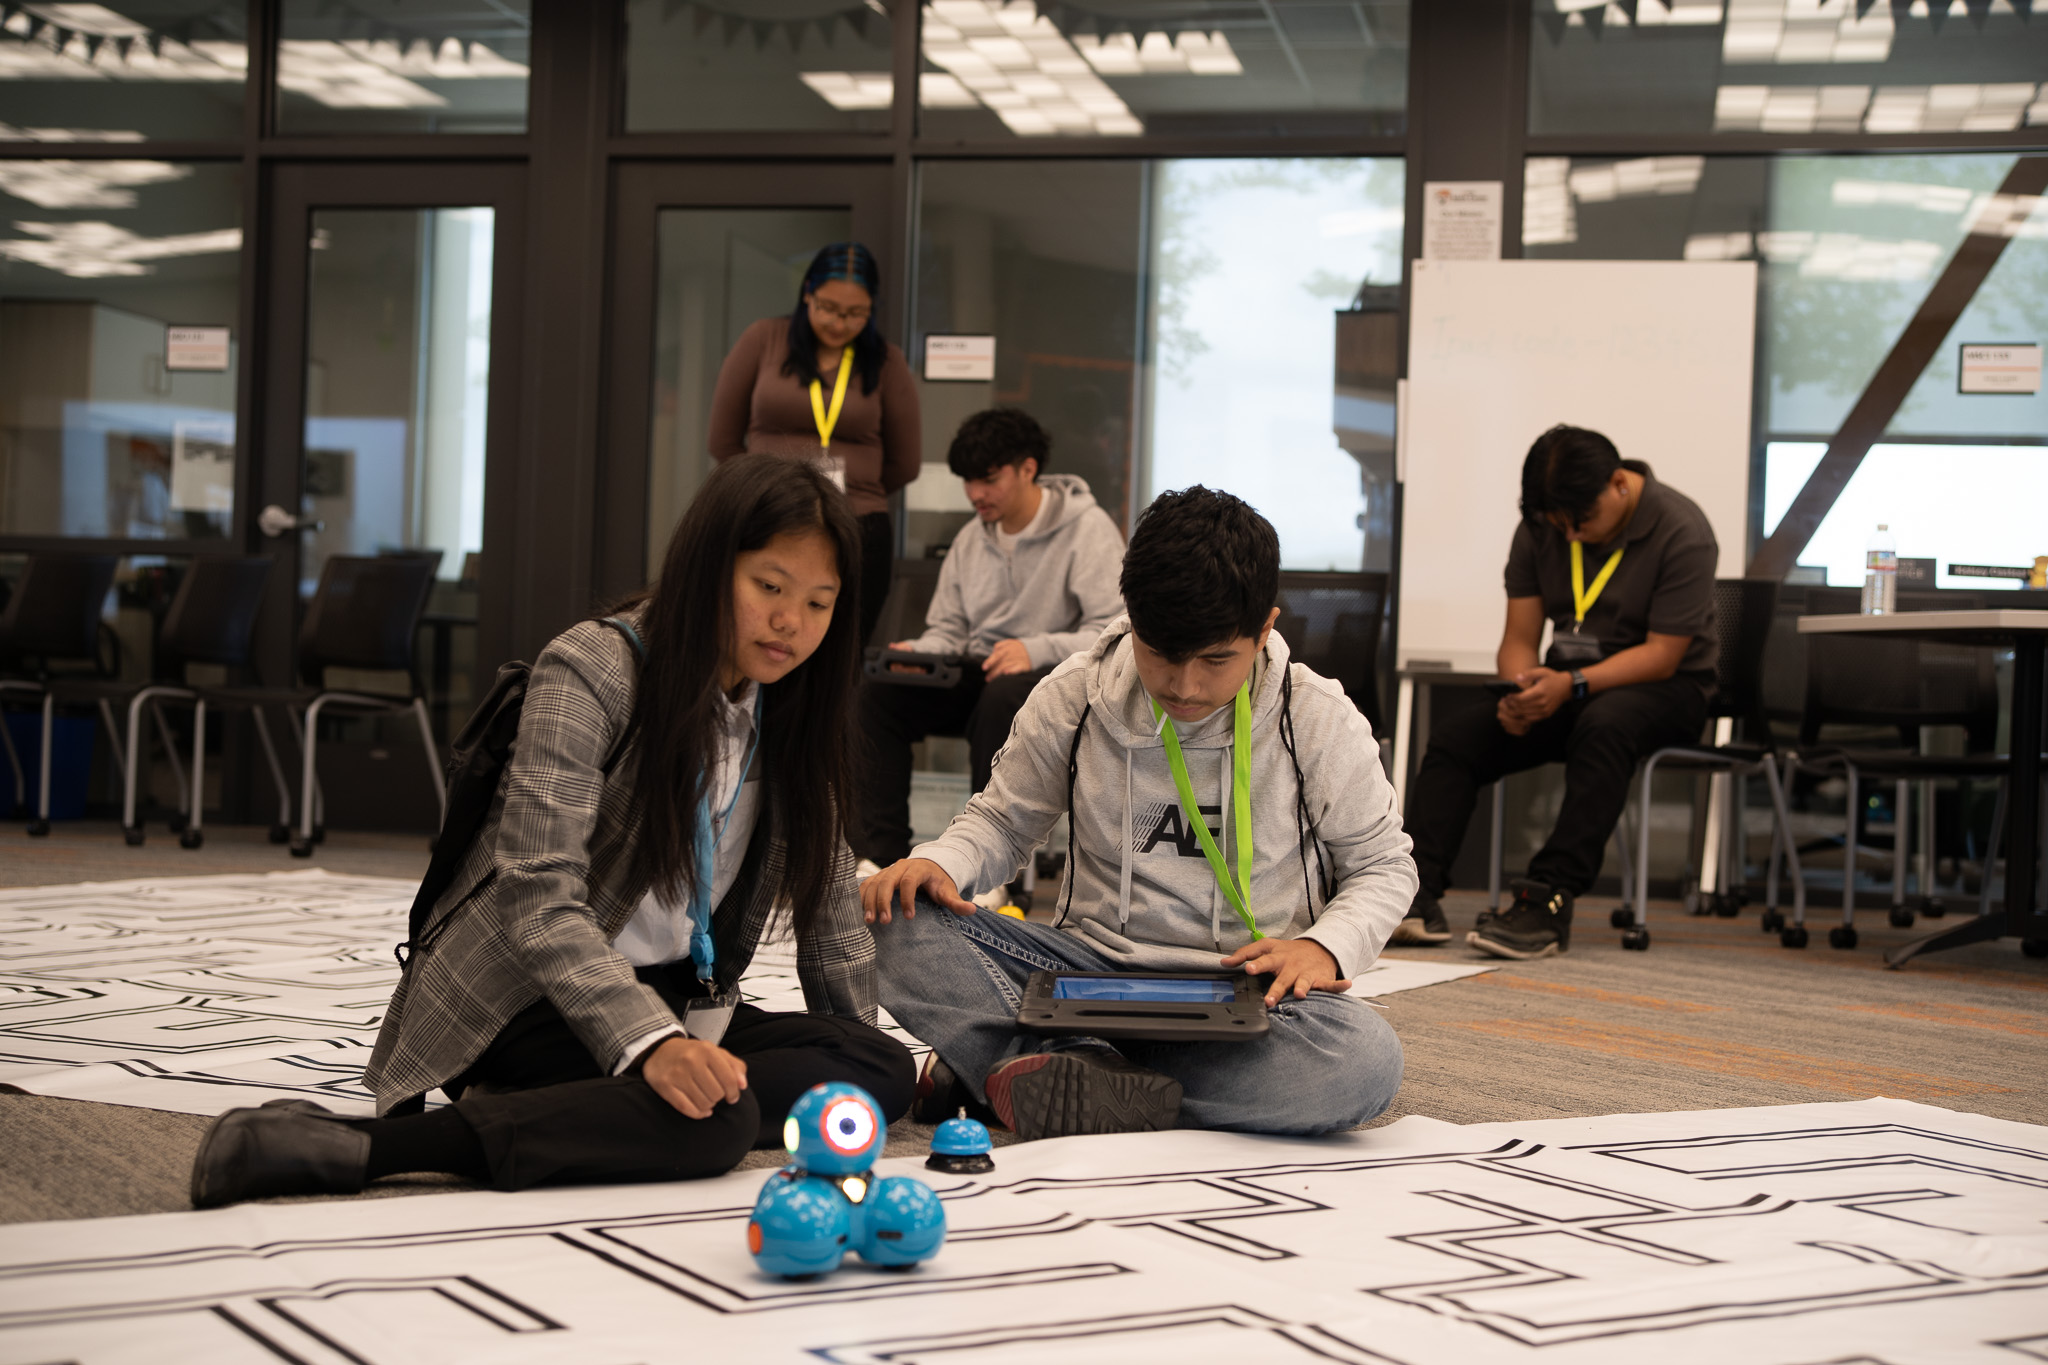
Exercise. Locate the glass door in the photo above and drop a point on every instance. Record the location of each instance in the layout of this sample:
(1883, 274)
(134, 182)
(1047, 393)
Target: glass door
(382, 390)
(701, 253)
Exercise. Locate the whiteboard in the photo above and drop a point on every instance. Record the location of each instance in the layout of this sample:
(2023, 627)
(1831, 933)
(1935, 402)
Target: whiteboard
(1658, 355)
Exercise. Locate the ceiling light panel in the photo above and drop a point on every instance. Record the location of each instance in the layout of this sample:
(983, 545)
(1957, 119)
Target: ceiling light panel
(84, 184)
(95, 250)
(1014, 61)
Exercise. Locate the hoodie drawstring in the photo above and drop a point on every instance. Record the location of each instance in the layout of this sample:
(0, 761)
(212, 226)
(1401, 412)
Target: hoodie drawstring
(1123, 894)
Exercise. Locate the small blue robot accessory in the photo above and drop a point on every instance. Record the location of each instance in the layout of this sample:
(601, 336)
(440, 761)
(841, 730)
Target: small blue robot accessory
(826, 1202)
(961, 1146)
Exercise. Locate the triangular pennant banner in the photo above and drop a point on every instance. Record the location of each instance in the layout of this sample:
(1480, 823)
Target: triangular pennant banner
(729, 27)
(857, 20)
(1627, 7)
(1553, 25)
(123, 46)
(1979, 11)
(2023, 8)
(93, 42)
(763, 28)
(1863, 7)
(1596, 20)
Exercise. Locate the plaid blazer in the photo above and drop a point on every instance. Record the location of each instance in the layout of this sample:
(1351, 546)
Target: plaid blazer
(549, 884)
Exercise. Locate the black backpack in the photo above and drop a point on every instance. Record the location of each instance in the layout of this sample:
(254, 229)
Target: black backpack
(475, 768)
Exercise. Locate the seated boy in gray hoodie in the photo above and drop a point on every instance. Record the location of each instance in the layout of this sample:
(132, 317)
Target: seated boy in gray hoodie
(1126, 737)
(1029, 581)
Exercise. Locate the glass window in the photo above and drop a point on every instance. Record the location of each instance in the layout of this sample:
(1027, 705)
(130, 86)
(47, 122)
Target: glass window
(1001, 68)
(720, 270)
(756, 65)
(1849, 247)
(106, 429)
(398, 373)
(123, 71)
(403, 66)
(1175, 322)
(1785, 66)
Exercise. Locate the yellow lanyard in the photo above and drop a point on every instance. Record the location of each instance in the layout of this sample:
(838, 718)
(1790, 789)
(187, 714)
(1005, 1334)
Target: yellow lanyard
(1582, 601)
(828, 420)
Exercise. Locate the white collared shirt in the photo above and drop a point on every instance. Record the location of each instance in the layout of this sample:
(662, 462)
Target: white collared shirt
(659, 931)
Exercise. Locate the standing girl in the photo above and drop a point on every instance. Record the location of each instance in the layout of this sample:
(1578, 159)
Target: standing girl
(679, 774)
(822, 384)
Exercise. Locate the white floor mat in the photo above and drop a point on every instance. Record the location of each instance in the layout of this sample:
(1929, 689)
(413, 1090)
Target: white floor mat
(1879, 1231)
(199, 994)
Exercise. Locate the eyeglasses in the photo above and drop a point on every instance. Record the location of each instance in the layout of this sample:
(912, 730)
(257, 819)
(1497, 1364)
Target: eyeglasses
(838, 314)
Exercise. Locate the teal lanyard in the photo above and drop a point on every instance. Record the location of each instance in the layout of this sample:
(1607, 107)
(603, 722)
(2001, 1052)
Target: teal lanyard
(1238, 891)
(701, 950)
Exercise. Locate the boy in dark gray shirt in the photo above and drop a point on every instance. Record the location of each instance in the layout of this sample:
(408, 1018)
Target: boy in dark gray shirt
(1622, 567)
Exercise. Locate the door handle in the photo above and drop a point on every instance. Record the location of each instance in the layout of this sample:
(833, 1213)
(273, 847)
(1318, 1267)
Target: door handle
(275, 521)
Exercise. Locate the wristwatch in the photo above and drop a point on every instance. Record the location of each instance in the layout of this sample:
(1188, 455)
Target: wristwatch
(1580, 688)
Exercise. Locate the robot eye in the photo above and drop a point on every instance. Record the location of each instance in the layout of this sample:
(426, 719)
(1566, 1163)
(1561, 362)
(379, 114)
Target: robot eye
(849, 1127)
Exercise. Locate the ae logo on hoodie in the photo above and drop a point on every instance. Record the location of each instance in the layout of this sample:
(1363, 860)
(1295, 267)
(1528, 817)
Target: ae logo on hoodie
(1164, 823)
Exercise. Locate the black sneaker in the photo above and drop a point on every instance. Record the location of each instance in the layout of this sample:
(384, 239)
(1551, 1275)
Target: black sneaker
(1425, 923)
(1536, 923)
(939, 1093)
(1080, 1090)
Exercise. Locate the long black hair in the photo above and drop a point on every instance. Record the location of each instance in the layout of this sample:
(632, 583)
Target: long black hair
(688, 628)
(841, 261)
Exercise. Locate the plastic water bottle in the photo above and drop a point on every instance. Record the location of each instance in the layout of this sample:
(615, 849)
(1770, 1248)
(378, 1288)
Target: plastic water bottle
(1880, 574)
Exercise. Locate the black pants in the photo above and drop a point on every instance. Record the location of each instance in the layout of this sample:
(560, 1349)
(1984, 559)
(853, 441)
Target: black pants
(877, 568)
(893, 718)
(1599, 741)
(551, 1115)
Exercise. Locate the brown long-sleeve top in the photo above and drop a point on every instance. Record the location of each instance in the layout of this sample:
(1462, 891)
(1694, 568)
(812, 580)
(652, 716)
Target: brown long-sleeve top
(758, 408)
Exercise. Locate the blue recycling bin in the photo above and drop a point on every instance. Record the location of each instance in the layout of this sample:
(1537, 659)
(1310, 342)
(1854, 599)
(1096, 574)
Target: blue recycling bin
(70, 761)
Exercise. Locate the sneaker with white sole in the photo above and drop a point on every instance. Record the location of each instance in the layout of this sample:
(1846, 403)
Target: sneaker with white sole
(1425, 923)
(1080, 1090)
(1537, 923)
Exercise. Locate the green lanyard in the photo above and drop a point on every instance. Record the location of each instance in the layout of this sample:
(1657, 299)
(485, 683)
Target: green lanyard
(1238, 891)
(1582, 601)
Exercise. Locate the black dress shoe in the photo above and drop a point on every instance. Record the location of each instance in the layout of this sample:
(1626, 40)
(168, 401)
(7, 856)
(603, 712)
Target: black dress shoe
(284, 1147)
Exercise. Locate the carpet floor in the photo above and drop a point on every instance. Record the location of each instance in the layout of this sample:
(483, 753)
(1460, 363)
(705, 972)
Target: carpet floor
(1716, 1015)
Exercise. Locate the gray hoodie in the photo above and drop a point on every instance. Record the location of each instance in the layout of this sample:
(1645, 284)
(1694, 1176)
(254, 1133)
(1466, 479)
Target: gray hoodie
(1143, 892)
(1054, 591)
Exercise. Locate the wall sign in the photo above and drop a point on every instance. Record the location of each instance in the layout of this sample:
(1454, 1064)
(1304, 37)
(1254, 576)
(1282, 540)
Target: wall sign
(1461, 220)
(195, 348)
(957, 357)
(2000, 367)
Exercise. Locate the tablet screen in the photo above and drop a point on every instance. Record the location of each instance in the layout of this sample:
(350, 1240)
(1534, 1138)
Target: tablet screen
(1187, 990)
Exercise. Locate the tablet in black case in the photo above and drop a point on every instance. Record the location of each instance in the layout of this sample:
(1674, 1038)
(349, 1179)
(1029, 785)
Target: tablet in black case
(1165, 1007)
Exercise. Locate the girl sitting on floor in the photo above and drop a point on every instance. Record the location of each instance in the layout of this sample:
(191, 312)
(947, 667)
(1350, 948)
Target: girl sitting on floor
(569, 991)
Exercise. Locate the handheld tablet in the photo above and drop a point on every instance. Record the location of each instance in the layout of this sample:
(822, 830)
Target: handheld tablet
(1175, 1007)
(1501, 689)
(913, 669)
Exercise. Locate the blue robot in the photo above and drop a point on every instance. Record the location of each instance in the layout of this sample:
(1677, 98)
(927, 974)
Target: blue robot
(826, 1202)
(961, 1146)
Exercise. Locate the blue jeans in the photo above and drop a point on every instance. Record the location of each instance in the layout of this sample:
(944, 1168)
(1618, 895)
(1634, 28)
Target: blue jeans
(1327, 1063)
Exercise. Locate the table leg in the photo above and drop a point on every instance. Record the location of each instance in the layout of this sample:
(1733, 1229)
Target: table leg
(2022, 918)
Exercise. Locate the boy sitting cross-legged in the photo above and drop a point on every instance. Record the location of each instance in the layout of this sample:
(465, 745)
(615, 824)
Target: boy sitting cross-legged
(1190, 675)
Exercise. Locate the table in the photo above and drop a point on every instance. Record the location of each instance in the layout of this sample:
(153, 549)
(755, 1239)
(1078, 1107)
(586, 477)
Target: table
(2027, 633)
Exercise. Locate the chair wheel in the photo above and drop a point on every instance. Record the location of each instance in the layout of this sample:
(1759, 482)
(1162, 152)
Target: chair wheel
(280, 834)
(1622, 918)
(2034, 947)
(301, 848)
(1933, 907)
(133, 835)
(1842, 936)
(191, 838)
(1901, 917)
(1773, 921)
(177, 823)
(38, 829)
(1727, 905)
(1636, 940)
(1794, 937)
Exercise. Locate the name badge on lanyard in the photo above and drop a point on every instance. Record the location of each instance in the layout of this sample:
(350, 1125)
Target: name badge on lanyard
(833, 466)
